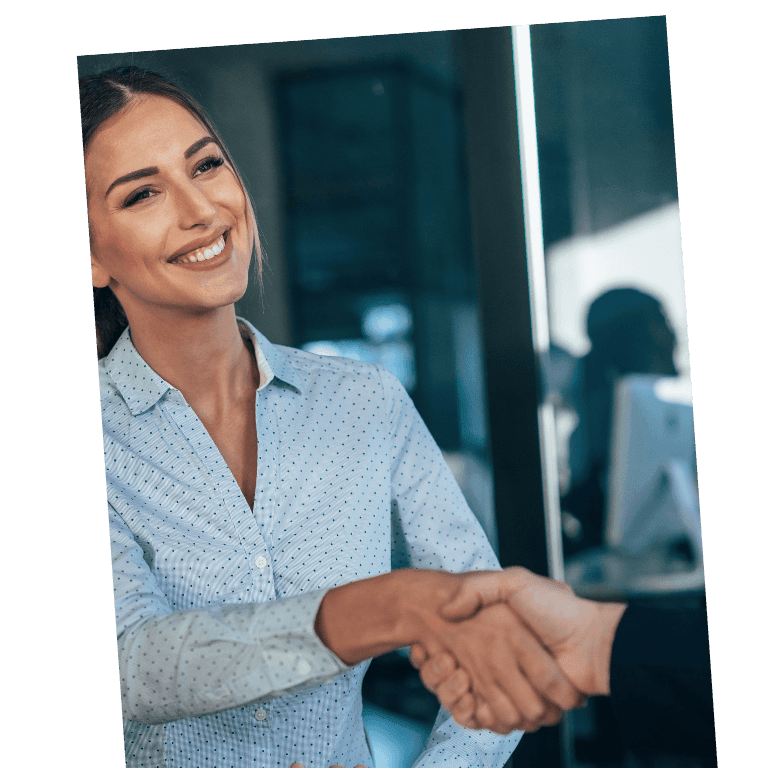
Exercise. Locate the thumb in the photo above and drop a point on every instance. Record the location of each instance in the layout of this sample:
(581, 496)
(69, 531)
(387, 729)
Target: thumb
(480, 588)
(464, 603)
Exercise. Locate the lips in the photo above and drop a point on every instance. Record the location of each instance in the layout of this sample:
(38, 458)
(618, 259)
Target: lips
(201, 253)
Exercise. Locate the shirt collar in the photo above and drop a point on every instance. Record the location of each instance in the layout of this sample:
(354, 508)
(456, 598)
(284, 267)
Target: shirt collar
(273, 361)
(142, 388)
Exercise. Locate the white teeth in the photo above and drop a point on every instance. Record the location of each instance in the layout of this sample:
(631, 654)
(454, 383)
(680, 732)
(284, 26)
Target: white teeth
(204, 255)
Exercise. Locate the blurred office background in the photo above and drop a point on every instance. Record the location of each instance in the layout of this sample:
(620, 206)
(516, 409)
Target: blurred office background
(386, 177)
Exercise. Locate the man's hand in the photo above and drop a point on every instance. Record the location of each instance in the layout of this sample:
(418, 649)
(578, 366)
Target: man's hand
(578, 633)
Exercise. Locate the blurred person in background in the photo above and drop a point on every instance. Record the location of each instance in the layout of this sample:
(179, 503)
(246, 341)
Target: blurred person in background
(629, 333)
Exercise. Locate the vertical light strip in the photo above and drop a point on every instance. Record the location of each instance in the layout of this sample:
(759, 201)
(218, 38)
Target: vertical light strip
(537, 281)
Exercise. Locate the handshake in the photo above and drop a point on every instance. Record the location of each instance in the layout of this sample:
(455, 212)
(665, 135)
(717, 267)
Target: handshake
(502, 650)
(522, 649)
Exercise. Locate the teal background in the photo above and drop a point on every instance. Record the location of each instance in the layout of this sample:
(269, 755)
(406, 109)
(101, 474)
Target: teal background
(60, 693)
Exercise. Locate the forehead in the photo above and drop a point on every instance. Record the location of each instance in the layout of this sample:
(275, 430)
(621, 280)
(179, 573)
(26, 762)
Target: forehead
(149, 131)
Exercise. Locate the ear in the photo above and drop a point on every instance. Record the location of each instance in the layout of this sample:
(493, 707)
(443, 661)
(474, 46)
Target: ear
(99, 276)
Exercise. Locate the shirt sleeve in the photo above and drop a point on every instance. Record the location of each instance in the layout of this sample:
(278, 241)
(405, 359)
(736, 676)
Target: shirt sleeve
(433, 527)
(177, 664)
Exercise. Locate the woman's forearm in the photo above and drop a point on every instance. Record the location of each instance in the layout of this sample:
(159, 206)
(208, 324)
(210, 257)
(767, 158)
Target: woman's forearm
(243, 653)
(367, 618)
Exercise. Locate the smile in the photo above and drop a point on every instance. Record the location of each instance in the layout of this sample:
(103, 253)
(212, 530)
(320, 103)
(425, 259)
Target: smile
(202, 254)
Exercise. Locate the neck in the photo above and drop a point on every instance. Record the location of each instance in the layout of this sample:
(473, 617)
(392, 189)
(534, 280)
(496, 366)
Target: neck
(203, 355)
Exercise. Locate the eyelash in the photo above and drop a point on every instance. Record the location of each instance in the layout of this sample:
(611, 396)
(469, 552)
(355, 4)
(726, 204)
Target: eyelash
(215, 161)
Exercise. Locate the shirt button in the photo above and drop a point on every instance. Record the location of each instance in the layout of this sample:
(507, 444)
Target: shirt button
(260, 714)
(303, 667)
(261, 562)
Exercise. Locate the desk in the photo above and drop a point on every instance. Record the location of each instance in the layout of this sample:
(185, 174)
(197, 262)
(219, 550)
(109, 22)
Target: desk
(607, 574)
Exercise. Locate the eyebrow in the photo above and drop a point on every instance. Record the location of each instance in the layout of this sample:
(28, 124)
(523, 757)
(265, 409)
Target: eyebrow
(153, 169)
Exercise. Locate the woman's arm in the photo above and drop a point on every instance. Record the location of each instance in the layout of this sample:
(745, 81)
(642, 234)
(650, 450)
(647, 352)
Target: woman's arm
(177, 664)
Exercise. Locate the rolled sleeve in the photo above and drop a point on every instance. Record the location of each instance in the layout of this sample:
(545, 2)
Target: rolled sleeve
(176, 664)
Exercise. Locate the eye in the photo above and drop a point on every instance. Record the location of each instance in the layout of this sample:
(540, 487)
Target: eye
(137, 196)
(209, 164)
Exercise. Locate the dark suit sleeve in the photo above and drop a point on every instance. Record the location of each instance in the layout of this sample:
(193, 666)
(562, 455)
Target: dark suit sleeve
(661, 684)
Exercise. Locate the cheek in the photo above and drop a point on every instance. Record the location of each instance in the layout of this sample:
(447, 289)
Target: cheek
(232, 197)
(121, 250)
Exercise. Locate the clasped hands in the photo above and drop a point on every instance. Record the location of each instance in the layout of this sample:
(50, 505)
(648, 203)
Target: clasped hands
(503, 650)
(519, 650)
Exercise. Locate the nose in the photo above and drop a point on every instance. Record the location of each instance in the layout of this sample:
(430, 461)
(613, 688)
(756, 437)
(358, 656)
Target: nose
(194, 207)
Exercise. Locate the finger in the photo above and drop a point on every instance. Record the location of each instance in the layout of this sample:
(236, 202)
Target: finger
(463, 710)
(542, 671)
(437, 670)
(452, 689)
(531, 705)
(496, 712)
(485, 716)
(296, 765)
(548, 680)
(553, 715)
(417, 656)
(482, 588)
(464, 604)
(512, 699)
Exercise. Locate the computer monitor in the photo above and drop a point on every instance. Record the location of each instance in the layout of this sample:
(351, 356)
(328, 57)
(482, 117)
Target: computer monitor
(652, 493)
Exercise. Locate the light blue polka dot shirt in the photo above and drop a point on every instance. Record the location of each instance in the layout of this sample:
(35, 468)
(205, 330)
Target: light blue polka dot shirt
(215, 602)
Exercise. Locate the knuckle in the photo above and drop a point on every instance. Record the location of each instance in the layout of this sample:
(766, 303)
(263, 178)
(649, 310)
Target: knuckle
(427, 681)
(552, 681)
(536, 712)
(555, 717)
(463, 681)
(562, 693)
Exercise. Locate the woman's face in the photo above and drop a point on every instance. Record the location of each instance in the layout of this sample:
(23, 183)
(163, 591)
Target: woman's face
(168, 218)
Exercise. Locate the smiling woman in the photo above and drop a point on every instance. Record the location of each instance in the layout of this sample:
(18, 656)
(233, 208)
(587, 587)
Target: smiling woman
(153, 230)
(260, 496)
(127, 114)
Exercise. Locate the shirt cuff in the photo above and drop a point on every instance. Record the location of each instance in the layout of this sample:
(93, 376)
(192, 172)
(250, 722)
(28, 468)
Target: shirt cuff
(191, 663)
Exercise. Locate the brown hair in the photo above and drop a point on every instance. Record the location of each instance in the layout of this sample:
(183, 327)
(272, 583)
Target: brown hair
(101, 97)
